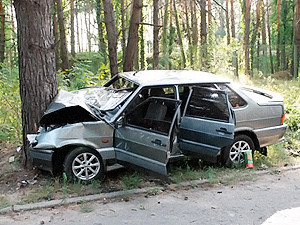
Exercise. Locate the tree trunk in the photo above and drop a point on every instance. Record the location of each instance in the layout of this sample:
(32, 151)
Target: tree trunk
(77, 29)
(246, 36)
(155, 34)
(189, 35)
(179, 36)
(142, 44)
(297, 39)
(56, 38)
(258, 21)
(195, 37)
(263, 30)
(111, 30)
(232, 20)
(133, 36)
(165, 35)
(101, 42)
(269, 37)
(284, 13)
(227, 23)
(63, 39)
(235, 62)
(123, 40)
(209, 11)
(37, 72)
(203, 33)
(72, 28)
(278, 37)
(2, 33)
(87, 14)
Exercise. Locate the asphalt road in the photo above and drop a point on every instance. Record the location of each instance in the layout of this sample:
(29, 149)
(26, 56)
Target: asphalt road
(270, 200)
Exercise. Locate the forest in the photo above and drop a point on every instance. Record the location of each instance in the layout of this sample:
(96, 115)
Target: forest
(68, 44)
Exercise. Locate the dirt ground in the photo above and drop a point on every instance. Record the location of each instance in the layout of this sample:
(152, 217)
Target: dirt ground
(13, 178)
(16, 183)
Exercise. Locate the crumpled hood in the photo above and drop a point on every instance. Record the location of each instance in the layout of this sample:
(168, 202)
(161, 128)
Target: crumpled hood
(82, 105)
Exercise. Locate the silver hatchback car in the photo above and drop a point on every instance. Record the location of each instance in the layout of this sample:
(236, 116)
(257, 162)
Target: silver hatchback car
(149, 118)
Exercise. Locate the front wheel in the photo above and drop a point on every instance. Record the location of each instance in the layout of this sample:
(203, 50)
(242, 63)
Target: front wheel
(235, 153)
(84, 164)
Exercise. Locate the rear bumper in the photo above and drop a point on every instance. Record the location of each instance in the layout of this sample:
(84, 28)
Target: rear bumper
(270, 135)
(42, 159)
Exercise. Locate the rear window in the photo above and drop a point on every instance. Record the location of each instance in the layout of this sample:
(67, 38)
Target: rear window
(257, 96)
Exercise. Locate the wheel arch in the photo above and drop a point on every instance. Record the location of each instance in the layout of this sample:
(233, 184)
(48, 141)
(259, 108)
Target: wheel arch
(250, 134)
(60, 155)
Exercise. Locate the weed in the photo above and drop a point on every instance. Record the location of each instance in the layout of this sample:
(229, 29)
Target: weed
(85, 207)
(132, 181)
(3, 202)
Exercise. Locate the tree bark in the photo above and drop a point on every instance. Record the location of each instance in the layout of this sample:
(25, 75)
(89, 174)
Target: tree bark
(263, 30)
(269, 37)
(179, 36)
(133, 36)
(37, 72)
(72, 28)
(203, 33)
(297, 39)
(232, 20)
(77, 29)
(246, 36)
(189, 35)
(56, 38)
(164, 34)
(123, 39)
(227, 23)
(111, 30)
(2, 33)
(101, 42)
(278, 37)
(63, 39)
(155, 35)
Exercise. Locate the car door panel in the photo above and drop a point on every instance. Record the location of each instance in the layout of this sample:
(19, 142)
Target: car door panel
(207, 124)
(142, 148)
(144, 139)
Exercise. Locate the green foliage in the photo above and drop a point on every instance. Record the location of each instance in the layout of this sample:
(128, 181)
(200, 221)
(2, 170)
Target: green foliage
(10, 104)
(132, 181)
(86, 71)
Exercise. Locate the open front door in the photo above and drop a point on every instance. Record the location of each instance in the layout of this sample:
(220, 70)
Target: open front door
(144, 138)
(207, 124)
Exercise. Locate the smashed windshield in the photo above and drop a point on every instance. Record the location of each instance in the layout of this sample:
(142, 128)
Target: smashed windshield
(103, 98)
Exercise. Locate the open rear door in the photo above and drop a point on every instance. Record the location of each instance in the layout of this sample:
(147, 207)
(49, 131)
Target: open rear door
(207, 124)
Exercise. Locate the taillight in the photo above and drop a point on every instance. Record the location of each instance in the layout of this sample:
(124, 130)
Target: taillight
(282, 118)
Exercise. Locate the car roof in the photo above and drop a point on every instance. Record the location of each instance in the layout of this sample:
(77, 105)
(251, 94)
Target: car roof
(172, 77)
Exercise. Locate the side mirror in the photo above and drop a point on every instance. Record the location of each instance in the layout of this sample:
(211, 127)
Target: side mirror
(120, 122)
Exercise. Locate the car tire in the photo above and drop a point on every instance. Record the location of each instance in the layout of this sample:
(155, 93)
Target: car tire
(235, 153)
(84, 164)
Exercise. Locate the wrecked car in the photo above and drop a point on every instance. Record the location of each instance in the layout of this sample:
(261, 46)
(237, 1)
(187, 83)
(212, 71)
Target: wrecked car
(150, 118)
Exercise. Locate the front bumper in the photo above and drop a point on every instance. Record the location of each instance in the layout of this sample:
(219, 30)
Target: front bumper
(42, 159)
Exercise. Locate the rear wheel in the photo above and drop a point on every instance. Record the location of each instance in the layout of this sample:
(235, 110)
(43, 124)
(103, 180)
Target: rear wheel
(84, 164)
(235, 153)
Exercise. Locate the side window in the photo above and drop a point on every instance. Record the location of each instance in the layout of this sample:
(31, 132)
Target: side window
(234, 99)
(208, 104)
(154, 114)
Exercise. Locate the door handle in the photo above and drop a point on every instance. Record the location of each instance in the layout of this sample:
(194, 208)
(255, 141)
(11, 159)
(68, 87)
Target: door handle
(223, 130)
(158, 142)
